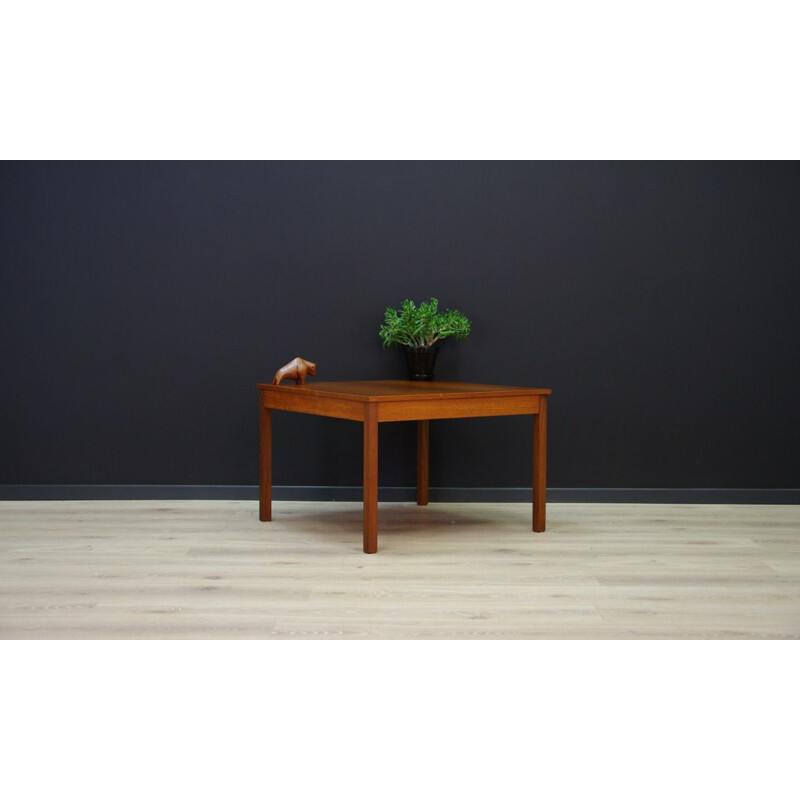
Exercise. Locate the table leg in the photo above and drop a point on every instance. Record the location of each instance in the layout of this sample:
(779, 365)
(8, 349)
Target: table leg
(265, 465)
(540, 465)
(423, 439)
(371, 478)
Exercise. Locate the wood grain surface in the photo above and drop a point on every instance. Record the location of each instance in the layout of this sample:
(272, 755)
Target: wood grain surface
(401, 390)
(211, 570)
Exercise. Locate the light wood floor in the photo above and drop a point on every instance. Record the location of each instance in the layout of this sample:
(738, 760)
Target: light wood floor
(211, 570)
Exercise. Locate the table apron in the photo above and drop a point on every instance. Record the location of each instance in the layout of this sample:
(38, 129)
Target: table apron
(399, 410)
(402, 410)
(325, 407)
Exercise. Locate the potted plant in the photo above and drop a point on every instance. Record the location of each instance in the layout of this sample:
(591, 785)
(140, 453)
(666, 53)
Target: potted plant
(418, 329)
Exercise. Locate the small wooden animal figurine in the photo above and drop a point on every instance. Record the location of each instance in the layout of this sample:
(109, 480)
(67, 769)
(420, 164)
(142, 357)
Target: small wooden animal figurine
(296, 370)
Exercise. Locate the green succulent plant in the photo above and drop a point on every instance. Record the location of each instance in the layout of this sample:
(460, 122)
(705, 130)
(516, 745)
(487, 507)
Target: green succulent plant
(423, 325)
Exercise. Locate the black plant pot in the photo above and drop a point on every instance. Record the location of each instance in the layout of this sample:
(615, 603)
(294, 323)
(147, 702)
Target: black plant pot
(420, 361)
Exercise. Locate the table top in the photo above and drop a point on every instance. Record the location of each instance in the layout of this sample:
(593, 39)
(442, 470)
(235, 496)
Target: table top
(377, 391)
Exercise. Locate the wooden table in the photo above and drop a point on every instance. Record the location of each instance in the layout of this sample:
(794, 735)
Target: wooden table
(373, 402)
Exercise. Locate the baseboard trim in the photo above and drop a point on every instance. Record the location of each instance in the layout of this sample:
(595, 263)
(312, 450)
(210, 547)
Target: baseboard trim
(389, 494)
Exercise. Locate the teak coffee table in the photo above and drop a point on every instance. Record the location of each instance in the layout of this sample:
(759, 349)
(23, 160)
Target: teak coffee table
(372, 402)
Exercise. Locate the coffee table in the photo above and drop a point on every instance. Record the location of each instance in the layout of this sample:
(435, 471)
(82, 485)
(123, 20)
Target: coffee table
(373, 402)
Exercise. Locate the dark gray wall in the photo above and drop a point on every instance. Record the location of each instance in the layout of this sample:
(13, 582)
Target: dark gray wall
(141, 302)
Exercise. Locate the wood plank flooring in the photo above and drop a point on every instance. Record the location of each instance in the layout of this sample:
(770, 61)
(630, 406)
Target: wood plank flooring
(211, 570)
